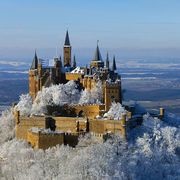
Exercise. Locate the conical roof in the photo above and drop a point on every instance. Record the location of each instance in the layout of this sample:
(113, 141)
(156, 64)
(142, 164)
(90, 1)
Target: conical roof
(114, 64)
(35, 62)
(107, 60)
(97, 55)
(67, 41)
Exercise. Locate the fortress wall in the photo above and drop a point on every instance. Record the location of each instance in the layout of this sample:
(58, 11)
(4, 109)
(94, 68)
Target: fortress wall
(96, 126)
(66, 123)
(91, 110)
(71, 139)
(44, 140)
(71, 124)
(27, 123)
(33, 139)
(50, 140)
(104, 126)
(114, 126)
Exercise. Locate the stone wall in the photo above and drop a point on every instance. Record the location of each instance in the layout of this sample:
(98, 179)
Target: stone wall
(89, 110)
(27, 123)
(44, 140)
(73, 76)
(71, 126)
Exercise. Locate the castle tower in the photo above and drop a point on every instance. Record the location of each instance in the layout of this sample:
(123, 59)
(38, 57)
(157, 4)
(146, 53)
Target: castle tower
(112, 93)
(33, 73)
(38, 78)
(35, 62)
(97, 61)
(114, 64)
(67, 51)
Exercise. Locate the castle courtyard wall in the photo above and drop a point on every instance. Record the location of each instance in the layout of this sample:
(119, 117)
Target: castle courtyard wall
(43, 140)
(71, 126)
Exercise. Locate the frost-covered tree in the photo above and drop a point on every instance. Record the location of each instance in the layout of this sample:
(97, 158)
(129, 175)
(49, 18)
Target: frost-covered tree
(115, 112)
(25, 104)
(7, 124)
(92, 96)
(152, 152)
(96, 92)
(54, 95)
(85, 97)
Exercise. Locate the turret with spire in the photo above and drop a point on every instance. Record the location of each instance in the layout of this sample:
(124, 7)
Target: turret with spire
(67, 51)
(107, 60)
(34, 62)
(114, 64)
(97, 61)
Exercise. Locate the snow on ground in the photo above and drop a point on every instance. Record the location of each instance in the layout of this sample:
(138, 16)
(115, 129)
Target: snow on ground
(152, 152)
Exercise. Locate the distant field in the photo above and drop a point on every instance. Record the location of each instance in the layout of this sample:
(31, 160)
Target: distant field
(10, 90)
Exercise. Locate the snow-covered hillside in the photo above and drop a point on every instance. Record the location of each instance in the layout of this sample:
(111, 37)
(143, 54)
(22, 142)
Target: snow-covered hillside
(152, 152)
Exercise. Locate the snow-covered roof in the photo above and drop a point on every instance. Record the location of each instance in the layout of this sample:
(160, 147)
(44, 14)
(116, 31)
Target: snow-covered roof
(78, 70)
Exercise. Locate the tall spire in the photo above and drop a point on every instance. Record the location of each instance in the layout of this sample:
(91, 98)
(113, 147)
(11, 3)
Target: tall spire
(114, 64)
(67, 51)
(74, 62)
(67, 41)
(35, 62)
(60, 61)
(97, 55)
(107, 61)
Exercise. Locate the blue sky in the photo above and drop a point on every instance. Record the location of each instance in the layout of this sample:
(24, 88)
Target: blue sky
(131, 26)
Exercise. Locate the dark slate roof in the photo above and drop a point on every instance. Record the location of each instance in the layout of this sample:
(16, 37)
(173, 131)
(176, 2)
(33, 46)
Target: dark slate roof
(67, 41)
(97, 55)
(114, 64)
(35, 62)
(107, 60)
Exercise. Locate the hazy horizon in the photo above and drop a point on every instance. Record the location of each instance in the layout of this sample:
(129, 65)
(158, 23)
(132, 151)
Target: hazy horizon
(26, 55)
(128, 29)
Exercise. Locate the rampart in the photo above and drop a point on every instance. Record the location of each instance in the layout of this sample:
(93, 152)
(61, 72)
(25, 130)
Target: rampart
(71, 128)
(89, 110)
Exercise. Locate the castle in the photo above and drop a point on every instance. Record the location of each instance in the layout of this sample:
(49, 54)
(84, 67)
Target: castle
(43, 75)
(59, 128)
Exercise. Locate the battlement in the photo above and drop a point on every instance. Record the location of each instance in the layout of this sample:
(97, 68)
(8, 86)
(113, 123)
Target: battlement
(43, 139)
(34, 129)
(117, 83)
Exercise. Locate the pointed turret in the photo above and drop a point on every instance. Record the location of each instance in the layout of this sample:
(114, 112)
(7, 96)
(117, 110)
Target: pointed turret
(67, 51)
(114, 64)
(35, 62)
(97, 61)
(67, 41)
(107, 61)
(97, 55)
(74, 62)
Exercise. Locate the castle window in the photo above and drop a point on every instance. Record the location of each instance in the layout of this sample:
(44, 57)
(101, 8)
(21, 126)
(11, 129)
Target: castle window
(112, 98)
